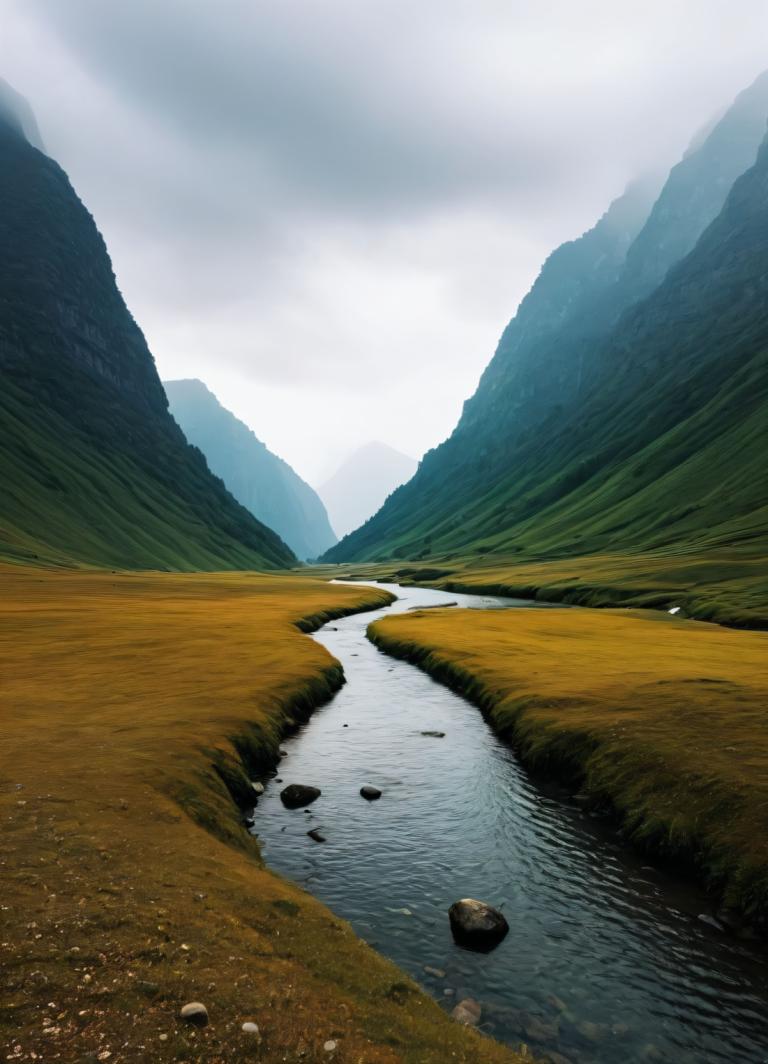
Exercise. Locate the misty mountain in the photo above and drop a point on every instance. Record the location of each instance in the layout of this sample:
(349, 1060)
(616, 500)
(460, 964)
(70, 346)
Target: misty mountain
(361, 484)
(608, 409)
(262, 482)
(16, 112)
(94, 469)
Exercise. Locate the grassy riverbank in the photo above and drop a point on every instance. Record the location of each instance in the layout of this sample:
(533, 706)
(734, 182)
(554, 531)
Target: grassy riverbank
(663, 719)
(728, 585)
(129, 884)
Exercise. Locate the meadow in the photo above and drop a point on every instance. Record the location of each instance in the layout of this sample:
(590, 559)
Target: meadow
(728, 586)
(658, 720)
(136, 707)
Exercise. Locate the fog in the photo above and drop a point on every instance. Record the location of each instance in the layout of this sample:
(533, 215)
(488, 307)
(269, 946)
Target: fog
(329, 209)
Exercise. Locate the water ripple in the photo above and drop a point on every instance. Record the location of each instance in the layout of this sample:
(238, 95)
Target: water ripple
(592, 927)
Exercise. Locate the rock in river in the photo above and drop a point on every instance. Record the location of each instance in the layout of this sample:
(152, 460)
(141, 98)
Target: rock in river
(468, 1012)
(477, 925)
(296, 795)
(371, 793)
(434, 734)
(316, 835)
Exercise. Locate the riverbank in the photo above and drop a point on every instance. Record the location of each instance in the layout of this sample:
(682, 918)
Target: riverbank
(661, 720)
(135, 706)
(728, 586)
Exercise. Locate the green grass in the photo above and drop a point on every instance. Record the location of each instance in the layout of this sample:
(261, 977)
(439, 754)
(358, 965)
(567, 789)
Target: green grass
(71, 498)
(660, 719)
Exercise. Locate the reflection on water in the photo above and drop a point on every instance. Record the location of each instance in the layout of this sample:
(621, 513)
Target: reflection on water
(606, 961)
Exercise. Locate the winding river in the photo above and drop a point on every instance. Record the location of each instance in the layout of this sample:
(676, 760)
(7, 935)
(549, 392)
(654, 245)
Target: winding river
(608, 960)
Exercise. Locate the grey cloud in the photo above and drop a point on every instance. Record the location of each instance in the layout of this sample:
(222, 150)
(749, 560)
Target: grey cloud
(346, 198)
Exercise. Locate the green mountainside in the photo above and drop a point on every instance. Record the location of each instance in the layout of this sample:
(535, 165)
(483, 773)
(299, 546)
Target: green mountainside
(93, 468)
(632, 416)
(262, 482)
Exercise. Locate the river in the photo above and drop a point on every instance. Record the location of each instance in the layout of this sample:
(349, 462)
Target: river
(608, 960)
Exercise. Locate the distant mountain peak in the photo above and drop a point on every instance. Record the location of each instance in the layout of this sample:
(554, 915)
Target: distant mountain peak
(362, 482)
(261, 481)
(16, 112)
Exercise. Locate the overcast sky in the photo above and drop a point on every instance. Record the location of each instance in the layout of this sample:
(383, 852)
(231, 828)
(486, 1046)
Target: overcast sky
(328, 209)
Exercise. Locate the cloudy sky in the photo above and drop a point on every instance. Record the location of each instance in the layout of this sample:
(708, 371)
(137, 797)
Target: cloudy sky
(328, 209)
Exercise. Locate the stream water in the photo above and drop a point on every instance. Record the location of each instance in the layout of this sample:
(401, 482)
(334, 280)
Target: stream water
(608, 960)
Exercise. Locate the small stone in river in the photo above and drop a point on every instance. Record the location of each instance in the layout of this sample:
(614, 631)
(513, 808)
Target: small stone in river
(593, 1032)
(250, 1028)
(315, 834)
(295, 795)
(477, 925)
(282, 753)
(468, 1012)
(195, 1013)
(651, 1052)
(370, 793)
(537, 1030)
(434, 734)
(438, 973)
(557, 1003)
(258, 788)
(329, 1046)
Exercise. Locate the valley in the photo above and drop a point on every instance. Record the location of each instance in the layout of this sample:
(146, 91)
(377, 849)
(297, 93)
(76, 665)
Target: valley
(259, 738)
(141, 704)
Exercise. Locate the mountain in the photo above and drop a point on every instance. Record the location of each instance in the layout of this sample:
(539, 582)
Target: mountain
(94, 469)
(612, 404)
(16, 113)
(362, 483)
(262, 482)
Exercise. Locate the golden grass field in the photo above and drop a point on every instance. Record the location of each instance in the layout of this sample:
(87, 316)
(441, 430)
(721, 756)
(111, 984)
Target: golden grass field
(728, 585)
(664, 719)
(129, 885)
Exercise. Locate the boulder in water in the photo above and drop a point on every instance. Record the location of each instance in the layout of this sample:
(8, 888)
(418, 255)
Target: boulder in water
(468, 1012)
(370, 793)
(476, 924)
(296, 795)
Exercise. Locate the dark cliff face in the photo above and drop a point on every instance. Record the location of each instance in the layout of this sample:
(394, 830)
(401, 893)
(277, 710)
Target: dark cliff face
(590, 373)
(696, 190)
(84, 426)
(539, 361)
(259, 479)
(62, 307)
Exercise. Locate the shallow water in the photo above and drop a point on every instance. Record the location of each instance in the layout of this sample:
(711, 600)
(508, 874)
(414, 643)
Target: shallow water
(596, 932)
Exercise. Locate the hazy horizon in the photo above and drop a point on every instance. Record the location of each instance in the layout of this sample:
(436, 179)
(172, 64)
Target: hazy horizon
(330, 216)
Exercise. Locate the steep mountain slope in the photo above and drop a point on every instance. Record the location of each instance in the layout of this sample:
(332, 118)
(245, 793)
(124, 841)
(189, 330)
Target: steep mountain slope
(93, 467)
(362, 483)
(553, 416)
(262, 482)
